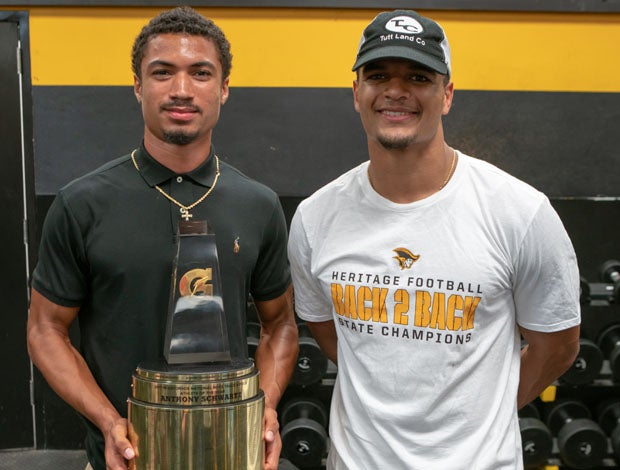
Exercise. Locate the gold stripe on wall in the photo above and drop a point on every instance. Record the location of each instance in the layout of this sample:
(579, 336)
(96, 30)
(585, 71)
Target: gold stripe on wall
(278, 47)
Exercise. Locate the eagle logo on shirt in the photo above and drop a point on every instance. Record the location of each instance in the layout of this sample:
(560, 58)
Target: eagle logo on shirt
(405, 257)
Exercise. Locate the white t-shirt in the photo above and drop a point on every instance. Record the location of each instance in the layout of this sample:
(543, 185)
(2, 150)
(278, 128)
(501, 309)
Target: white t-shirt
(426, 298)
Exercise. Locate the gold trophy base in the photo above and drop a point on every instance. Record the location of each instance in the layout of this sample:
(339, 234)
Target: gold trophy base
(204, 417)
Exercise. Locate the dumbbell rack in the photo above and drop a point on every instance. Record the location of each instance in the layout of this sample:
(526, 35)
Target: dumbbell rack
(312, 384)
(317, 386)
(600, 311)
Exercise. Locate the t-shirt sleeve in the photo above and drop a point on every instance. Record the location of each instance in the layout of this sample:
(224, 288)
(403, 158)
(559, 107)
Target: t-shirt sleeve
(311, 303)
(546, 283)
(272, 275)
(61, 271)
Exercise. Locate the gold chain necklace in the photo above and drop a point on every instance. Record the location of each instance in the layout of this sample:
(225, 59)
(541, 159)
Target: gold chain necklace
(454, 157)
(184, 209)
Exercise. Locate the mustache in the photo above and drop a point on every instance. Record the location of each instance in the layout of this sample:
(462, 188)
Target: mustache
(180, 104)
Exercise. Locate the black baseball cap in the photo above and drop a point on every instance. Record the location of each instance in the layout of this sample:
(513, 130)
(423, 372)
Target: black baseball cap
(405, 34)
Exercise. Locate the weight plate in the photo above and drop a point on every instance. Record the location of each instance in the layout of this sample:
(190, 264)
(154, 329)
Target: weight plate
(304, 442)
(607, 269)
(609, 415)
(311, 363)
(582, 444)
(536, 441)
(303, 407)
(586, 366)
(529, 411)
(609, 341)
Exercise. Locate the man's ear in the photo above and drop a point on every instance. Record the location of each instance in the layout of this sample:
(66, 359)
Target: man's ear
(448, 97)
(355, 102)
(137, 88)
(225, 91)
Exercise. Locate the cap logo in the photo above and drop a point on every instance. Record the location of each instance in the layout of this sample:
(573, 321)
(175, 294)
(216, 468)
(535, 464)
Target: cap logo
(404, 24)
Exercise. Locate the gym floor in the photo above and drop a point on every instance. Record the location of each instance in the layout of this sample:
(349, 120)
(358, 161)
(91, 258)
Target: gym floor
(42, 459)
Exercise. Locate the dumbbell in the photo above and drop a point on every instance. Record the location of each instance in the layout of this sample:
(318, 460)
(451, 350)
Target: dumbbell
(609, 419)
(536, 440)
(586, 366)
(253, 337)
(581, 441)
(609, 341)
(304, 437)
(610, 272)
(311, 362)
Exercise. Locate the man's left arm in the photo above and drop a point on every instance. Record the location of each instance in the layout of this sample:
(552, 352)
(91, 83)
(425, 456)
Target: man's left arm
(275, 358)
(545, 358)
(546, 295)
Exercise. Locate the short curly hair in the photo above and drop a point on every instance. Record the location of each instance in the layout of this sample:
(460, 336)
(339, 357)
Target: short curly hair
(183, 20)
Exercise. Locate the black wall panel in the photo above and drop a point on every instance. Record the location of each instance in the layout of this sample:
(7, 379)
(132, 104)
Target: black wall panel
(565, 144)
(78, 129)
(297, 139)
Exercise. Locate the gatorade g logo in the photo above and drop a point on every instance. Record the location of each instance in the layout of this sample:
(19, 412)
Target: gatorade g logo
(404, 24)
(196, 282)
(404, 257)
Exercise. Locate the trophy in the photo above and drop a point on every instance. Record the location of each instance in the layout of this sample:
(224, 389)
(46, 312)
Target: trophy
(196, 408)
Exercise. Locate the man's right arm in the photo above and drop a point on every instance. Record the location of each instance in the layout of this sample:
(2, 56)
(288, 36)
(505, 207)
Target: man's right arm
(68, 374)
(308, 294)
(325, 335)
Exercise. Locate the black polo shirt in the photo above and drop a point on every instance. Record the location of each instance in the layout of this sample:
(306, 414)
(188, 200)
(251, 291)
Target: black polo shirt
(108, 245)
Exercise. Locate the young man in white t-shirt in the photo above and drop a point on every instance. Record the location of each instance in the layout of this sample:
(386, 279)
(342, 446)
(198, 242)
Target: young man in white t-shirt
(418, 271)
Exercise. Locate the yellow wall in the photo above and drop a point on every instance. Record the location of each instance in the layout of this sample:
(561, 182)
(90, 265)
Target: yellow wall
(316, 47)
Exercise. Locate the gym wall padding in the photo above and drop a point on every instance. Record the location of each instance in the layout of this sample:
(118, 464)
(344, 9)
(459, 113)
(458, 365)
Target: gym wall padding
(536, 94)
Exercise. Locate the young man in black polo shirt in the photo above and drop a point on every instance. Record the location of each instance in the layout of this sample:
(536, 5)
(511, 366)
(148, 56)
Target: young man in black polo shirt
(110, 237)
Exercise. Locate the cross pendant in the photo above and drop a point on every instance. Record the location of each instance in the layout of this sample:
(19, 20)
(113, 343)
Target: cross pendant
(185, 214)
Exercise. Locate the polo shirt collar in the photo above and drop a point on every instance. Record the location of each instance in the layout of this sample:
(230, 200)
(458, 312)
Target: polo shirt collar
(155, 173)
